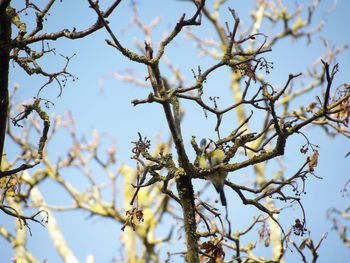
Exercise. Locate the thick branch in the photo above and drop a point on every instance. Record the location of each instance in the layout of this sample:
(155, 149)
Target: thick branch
(5, 38)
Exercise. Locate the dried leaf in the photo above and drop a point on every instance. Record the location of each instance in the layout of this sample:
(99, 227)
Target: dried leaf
(312, 105)
(133, 218)
(267, 240)
(261, 233)
(214, 250)
(250, 73)
(313, 160)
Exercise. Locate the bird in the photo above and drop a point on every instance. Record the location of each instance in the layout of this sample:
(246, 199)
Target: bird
(211, 156)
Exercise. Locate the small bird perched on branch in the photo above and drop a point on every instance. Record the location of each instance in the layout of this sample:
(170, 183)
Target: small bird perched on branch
(211, 156)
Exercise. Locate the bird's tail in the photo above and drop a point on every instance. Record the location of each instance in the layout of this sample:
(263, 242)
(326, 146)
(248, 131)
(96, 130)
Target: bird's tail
(220, 190)
(223, 197)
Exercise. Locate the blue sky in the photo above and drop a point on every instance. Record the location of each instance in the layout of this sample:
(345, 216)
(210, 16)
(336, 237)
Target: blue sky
(107, 108)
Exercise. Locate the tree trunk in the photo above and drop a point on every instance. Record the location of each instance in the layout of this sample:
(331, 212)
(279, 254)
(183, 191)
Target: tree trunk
(185, 190)
(5, 38)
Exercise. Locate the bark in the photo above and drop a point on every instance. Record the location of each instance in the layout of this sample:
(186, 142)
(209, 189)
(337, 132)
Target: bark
(185, 190)
(5, 38)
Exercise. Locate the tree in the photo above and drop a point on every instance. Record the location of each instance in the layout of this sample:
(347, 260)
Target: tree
(266, 116)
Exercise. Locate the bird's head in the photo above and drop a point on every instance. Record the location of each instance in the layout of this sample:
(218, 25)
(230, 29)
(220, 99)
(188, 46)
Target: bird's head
(207, 146)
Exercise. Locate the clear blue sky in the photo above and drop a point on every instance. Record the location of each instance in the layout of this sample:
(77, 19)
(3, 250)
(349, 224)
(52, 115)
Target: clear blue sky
(108, 109)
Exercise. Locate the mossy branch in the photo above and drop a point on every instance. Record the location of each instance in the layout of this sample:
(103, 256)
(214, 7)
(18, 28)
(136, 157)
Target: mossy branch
(28, 109)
